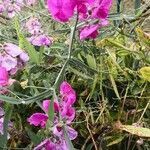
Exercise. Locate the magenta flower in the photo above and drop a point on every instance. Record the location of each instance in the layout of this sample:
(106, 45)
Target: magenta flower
(38, 119)
(67, 113)
(90, 31)
(67, 93)
(46, 104)
(4, 80)
(61, 10)
(101, 9)
(3, 76)
(46, 144)
(41, 40)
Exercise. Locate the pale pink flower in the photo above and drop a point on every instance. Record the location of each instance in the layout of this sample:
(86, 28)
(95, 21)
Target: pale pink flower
(24, 57)
(13, 9)
(12, 49)
(34, 26)
(59, 131)
(13, 58)
(8, 62)
(41, 40)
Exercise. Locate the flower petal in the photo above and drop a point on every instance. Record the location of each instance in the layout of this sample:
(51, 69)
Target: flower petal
(38, 119)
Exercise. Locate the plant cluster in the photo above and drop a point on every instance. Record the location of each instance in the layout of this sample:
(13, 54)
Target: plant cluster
(73, 75)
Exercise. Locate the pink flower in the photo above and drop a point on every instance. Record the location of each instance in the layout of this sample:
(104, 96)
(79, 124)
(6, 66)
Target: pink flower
(38, 119)
(90, 31)
(61, 10)
(41, 40)
(3, 76)
(67, 93)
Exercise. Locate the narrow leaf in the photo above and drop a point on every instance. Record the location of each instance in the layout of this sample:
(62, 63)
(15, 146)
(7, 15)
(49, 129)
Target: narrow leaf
(4, 137)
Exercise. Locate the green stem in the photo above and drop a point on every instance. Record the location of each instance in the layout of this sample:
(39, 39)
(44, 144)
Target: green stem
(61, 73)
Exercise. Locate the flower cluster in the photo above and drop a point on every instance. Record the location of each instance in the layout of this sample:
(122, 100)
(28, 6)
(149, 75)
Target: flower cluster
(64, 115)
(87, 9)
(37, 37)
(12, 57)
(11, 8)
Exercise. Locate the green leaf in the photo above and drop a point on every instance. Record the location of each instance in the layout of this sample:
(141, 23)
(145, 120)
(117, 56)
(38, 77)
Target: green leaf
(50, 114)
(145, 73)
(29, 100)
(25, 44)
(41, 53)
(116, 141)
(139, 131)
(34, 138)
(4, 137)
(91, 61)
(9, 99)
(114, 85)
